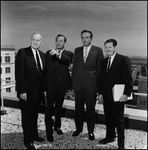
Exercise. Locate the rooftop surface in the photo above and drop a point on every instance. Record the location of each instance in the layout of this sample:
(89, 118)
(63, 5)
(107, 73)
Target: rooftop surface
(12, 136)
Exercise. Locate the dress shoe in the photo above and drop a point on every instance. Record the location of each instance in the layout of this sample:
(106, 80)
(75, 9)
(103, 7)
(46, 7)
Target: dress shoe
(76, 133)
(50, 138)
(120, 147)
(30, 146)
(106, 140)
(58, 130)
(91, 136)
(39, 139)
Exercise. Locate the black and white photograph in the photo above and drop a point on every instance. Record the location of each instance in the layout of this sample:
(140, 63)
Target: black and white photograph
(73, 75)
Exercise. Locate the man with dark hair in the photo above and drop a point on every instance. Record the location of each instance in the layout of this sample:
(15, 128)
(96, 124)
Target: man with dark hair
(58, 81)
(115, 70)
(29, 75)
(85, 76)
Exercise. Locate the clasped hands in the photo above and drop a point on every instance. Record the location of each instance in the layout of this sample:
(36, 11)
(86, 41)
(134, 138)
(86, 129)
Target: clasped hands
(54, 52)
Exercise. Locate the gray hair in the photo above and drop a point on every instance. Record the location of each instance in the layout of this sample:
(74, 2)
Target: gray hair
(37, 33)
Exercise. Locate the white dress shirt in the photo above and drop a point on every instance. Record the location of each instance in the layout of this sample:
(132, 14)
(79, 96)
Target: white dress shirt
(60, 51)
(112, 58)
(88, 49)
(34, 53)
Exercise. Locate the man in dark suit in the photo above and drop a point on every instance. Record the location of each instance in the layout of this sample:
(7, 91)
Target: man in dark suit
(115, 69)
(58, 81)
(29, 75)
(85, 76)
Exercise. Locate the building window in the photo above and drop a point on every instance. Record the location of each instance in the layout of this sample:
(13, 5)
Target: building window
(1, 71)
(8, 89)
(7, 58)
(144, 103)
(7, 69)
(8, 80)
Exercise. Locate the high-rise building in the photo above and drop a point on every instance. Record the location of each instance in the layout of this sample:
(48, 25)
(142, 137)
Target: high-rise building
(8, 68)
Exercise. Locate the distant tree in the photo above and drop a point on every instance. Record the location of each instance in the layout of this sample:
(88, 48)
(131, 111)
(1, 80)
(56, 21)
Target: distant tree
(143, 70)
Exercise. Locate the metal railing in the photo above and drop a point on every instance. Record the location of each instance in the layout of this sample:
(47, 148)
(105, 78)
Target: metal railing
(7, 46)
(3, 87)
(140, 94)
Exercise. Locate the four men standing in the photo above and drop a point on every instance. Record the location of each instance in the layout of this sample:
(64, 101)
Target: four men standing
(37, 72)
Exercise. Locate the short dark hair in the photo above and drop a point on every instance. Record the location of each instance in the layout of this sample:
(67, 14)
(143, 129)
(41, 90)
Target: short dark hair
(111, 41)
(65, 39)
(91, 34)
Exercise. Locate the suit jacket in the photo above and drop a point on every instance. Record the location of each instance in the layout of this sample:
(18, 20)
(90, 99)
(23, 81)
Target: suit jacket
(58, 71)
(88, 72)
(119, 73)
(27, 76)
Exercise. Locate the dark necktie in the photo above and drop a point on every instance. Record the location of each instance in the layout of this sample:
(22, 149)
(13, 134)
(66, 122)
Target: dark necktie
(38, 63)
(108, 64)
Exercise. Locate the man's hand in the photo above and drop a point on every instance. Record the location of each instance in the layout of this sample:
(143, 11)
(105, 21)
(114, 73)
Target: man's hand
(45, 93)
(100, 98)
(23, 96)
(52, 52)
(123, 98)
(57, 54)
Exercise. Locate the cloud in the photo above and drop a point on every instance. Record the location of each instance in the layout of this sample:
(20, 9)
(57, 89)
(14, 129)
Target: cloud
(120, 19)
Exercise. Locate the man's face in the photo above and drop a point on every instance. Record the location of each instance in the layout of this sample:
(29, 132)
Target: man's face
(60, 43)
(36, 41)
(86, 39)
(109, 49)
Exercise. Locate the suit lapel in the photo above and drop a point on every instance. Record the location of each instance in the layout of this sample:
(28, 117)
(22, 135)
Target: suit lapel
(57, 61)
(81, 54)
(42, 59)
(30, 53)
(90, 53)
(33, 59)
(115, 62)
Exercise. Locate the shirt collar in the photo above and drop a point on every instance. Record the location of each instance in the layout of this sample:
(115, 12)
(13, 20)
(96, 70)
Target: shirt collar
(88, 48)
(112, 57)
(34, 50)
(60, 50)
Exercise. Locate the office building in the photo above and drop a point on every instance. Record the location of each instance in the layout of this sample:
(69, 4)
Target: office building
(8, 68)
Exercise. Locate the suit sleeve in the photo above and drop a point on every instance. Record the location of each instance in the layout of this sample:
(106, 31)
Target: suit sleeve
(20, 72)
(67, 58)
(100, 58)
(46, 65)
(127, 76)
(45, 69)
(100, 80)
(74, 67)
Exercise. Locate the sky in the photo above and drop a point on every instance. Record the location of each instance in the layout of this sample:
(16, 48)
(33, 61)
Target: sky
(125, 21)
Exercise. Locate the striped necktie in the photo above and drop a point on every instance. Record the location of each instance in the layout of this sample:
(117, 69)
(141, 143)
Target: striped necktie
(85, 54)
